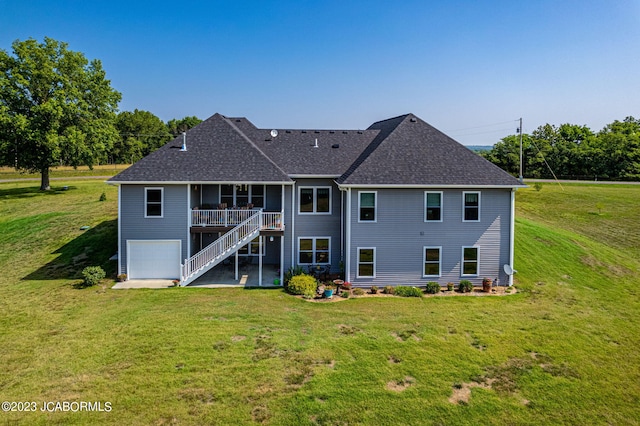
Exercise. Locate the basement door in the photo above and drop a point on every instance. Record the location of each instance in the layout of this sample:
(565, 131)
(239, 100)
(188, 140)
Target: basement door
(153, 259)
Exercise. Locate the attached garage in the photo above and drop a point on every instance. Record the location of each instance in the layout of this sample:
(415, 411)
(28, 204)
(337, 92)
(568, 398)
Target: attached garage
(153, 259)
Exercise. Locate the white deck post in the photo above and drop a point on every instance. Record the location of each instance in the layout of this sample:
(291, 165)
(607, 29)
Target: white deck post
(236, 265)
(260, 238)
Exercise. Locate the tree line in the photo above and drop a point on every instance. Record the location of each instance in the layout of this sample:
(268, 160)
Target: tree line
(571, 151)
(58, 108)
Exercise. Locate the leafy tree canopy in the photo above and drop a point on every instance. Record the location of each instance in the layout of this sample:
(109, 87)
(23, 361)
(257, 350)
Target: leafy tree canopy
(141, 133)
(573, 151)
(55, 107)
(176, 127)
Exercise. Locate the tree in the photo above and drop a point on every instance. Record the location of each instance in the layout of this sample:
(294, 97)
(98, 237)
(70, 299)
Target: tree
(55, 106)
(176, 127)
(141, 133)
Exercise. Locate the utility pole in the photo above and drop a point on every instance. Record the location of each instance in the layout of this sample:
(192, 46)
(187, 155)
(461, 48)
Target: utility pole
(520, 131)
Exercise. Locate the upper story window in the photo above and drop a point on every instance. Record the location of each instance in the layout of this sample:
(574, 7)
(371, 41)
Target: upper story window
(433, 206)
(241, 195)
(471, 206)
(367, 202)
(153, 198)
(314, 200)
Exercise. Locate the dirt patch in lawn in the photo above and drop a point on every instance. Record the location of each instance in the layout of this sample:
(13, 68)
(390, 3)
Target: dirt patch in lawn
(400, 385)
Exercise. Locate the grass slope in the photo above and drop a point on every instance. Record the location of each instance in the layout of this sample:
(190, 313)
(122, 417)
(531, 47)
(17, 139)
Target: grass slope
(563, 351)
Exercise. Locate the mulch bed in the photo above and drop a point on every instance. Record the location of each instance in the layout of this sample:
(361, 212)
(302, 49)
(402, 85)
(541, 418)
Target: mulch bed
(477, 292)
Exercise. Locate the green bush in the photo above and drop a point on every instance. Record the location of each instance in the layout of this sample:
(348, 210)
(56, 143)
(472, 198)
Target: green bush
(388, 289)
(374, 289)
(92, 275)
(345, 294)
(433, 287)
(465, 286)
(406, 291)
(292, 272)
(358, 291)
(103, 197)
(303, 284)
(450, 286)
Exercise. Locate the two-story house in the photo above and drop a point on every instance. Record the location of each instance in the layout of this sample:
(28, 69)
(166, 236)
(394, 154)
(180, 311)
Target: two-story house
(399, 203)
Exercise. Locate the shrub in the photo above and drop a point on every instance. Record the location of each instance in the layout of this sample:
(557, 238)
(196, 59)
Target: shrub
(121, 278)
(358, 291)
(290, 273)
(450, 286)
(92, 275)
(465, 286)
(433, 287)
(302, 284)
(374, 289)
(103, 197)
(406, 291)
(345, 294)
(538, 186)
(388, 289)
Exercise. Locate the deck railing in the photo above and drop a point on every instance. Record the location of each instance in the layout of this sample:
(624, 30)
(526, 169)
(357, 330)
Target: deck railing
(223, 218)
(272, 221)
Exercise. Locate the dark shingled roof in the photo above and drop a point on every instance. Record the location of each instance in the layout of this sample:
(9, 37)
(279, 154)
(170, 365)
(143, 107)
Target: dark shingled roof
(409, 151)
(216, 152)
(399, 151)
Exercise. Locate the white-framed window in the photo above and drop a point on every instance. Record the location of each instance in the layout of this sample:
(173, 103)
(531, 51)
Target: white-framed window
(471, 206)
(433, 206)
(432, 260)
(240, 195)
(470, 261)
(367, 206)
(253, 248)
(153, 202)
(314, 200)
(366, 262)
(314, 250)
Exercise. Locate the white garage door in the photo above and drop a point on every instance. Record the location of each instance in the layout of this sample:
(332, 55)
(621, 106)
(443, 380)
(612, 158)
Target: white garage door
(153, 259)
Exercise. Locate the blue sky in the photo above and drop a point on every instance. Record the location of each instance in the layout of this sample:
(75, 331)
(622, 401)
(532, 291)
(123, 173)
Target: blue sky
(469, 68)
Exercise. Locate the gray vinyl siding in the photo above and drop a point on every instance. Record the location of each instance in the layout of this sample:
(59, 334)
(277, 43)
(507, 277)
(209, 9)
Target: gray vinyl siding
(134, 226)
(319, 225)
(400, 234)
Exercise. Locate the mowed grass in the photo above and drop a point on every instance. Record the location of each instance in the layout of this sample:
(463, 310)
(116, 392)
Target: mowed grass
(65, 172)
(564, 350)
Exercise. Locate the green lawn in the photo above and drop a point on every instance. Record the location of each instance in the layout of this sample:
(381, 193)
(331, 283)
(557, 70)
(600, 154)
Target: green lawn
(562, 351)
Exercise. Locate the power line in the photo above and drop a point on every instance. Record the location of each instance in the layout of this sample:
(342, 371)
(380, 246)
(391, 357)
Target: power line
(484, 125)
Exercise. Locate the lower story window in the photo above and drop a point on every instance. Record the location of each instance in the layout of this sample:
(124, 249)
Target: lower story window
(432, 261)
(470, 261)
(366, 262)
(253, 248)
(315, 250)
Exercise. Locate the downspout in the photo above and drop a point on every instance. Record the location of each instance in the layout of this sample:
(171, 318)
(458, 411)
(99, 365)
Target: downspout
(512, 228)
(293, 224)
(120, 230)
(282, 239)
(347, 258)
(188, 221)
